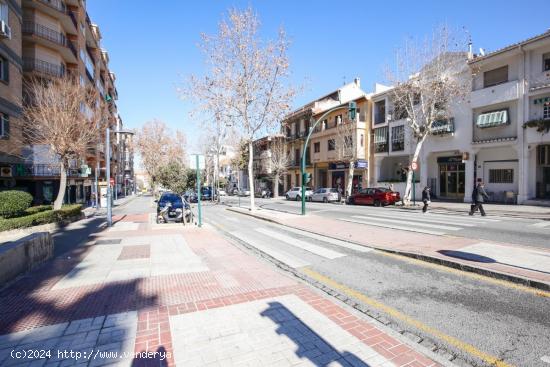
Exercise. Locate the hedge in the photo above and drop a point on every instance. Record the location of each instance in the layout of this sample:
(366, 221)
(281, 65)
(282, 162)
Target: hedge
(41, 217)
(14, 203)
(37, 209)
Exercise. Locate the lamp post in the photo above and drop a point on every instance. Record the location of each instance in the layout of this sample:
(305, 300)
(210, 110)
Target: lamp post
(352, 109)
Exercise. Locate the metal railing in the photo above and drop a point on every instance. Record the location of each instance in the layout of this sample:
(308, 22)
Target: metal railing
(42, 170)
(43, 67)
(56, 4)
(44, 32)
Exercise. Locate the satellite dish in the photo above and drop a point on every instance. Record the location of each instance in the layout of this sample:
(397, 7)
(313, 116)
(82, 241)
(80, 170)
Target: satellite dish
(482, 52)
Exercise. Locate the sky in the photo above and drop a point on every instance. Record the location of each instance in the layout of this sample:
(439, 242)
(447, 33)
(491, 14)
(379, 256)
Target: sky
(152, 45)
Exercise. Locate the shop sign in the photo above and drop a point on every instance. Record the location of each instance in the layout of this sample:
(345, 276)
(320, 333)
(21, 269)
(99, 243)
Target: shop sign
(452, 159)
(344, 165)
(361, 164)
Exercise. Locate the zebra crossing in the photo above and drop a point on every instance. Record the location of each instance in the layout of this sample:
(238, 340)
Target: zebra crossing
(428, 223)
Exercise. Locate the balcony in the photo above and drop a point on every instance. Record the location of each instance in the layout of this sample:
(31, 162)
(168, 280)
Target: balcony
(443, 127)
(504, 92)
(55, 4)
(43, 68)
(55, 9)
(540, 82)
(45, 170)
(51, 38)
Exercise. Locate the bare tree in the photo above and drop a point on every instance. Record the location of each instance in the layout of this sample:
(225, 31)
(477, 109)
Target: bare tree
(428, 80)
(66, 117)
(346, 148)
(158, 146)
(279, 160)
(247, 76)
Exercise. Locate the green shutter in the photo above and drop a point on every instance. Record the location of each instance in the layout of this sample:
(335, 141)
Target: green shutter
(491, 119)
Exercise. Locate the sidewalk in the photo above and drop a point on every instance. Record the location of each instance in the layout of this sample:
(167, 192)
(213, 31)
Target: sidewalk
(183, 297)
(446, 250)
(91, 211)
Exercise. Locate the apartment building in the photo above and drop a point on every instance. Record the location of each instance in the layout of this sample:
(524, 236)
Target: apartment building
(268, 152)
(322, 161)
(52, 39)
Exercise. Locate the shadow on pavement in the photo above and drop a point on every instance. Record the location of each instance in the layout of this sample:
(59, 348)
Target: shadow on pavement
(310, 345)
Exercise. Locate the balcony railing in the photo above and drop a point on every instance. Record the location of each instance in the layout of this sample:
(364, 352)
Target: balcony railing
(443, 127)
(43, 170)
(44, 32)
(43, 67)
(73, 18)
(56, 4)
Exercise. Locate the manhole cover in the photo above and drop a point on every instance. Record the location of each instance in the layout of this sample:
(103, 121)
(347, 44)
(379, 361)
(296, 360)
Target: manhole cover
(111, 241)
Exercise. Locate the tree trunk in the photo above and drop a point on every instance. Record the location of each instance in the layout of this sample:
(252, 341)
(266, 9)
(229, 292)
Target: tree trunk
(251, 174)
(408, 188)
(62, 186)
(276, 185)
(350, 179)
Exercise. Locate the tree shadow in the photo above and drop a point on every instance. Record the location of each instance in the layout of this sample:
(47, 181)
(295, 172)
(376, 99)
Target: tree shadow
(310, 344)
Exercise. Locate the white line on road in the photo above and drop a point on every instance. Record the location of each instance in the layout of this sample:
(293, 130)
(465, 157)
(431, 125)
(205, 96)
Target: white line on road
(314, 249)
(410, 229)
(426, 218)
(233, 219)
(540, 224)
(330, 240)
(405, 222)
(282, 256)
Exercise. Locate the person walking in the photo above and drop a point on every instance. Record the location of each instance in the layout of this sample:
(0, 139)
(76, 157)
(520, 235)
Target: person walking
(479, 195)
(426, 199)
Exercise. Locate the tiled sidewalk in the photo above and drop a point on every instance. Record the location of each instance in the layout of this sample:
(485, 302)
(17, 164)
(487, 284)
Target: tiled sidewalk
(185, 297)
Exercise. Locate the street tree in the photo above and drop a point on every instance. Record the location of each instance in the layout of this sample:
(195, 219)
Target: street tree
(428, 80)
(158, 145)
(247, 76)
(279, 160)
(173, 176)
(64, 116)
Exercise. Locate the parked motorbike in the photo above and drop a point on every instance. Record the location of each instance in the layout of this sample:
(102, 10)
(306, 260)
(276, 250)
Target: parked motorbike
(170, 215)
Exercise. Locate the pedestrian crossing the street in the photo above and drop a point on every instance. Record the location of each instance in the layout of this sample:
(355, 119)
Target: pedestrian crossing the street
(429, 223)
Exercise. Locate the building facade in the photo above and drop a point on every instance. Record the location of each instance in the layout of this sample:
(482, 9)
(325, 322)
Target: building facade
(53, 39)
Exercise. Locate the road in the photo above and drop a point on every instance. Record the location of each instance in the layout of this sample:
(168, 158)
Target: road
(527, 232)
(473, 317)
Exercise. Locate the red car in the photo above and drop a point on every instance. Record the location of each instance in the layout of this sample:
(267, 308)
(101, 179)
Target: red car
(377, 196)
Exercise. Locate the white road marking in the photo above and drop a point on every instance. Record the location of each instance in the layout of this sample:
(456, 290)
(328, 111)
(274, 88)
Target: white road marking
(406, 222)
(330, 240)
(282, 256)
(233, 219)
(545, 359)
(314, 249)
(410, 229)
(540, 224)
(426, 218)
(520, 257)
(465, 217)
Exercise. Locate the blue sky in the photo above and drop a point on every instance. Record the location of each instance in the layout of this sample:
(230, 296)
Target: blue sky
(153, 44)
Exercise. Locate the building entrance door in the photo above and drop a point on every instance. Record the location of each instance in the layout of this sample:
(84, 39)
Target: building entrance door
(546, 182)
(451, 180)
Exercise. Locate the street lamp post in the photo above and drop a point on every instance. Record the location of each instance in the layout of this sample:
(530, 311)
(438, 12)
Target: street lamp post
(352, 108)
(108, 176)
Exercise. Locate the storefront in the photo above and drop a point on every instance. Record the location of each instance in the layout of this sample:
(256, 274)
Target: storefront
(338, 175)
(451, 177)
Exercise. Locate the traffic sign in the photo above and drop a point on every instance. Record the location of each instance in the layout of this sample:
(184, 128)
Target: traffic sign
(193, 161)
(414, 166)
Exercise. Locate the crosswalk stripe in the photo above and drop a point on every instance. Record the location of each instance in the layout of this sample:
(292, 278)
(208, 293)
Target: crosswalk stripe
(314, 249)
(477, 216)
(427, 219)
(463, 216)
(280, 255)
(410, 229)
(386, 220)
(541, 224)
(332, 241)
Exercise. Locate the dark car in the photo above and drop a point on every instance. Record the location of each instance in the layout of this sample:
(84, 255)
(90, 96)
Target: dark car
(377, 196)
(207, 193)
(172, 198)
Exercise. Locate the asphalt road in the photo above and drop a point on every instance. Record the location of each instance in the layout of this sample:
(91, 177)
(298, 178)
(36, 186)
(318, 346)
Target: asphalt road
(527, 232)
(473, 317)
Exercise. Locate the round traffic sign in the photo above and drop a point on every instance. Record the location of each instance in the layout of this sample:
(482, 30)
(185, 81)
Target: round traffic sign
(414, 166)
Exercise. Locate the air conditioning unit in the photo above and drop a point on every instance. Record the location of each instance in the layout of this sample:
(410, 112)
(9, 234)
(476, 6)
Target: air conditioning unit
(6, 172)
(5, 30)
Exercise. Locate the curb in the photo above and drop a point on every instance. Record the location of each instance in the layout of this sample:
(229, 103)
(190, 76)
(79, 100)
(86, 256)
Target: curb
(423, 345)
(432, 259)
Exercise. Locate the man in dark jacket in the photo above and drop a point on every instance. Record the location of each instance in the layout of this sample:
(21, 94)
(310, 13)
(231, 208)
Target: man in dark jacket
(425, 199)
(479, 196)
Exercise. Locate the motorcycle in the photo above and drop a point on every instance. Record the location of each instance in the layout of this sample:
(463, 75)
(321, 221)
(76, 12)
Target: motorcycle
(169, 215)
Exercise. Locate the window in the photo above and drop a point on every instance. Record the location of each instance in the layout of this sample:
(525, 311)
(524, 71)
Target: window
(546, 62)
(348, 141)
(331, 144)
(4, 12)
(380, 112)
(492, 119)
(317, 147)
(398, 138)
(501, 176)
(495, 76)
(4, 125)
(362, 140)
(4, 69)
(546, 111)
(543, 155)
(381, 139)
(444, 126)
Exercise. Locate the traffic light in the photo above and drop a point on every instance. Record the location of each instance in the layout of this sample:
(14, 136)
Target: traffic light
(352, 110)
(306, 178)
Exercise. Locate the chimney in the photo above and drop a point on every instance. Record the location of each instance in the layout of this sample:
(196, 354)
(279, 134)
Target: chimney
(470, 52)
(357, 82)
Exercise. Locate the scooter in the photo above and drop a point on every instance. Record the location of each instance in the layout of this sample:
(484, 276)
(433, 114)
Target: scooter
(169, 215)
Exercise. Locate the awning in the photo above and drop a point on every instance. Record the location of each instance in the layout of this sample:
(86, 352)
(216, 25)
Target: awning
(491, 119)
(381, 135)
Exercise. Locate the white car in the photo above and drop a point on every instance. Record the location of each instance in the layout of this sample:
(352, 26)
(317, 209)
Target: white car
(325, 194)
(295, 193)
(222, 192)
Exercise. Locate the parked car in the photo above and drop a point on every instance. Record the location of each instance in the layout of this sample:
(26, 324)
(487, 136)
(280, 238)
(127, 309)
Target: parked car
(222, 192)
(175, 200)
(295, 193)
(377, 196)
(325, 194)
(263, 193)
(243, 192)
(207, 193)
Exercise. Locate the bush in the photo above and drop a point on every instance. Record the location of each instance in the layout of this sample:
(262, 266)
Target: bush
(37, 209)
(14, 203)
(41, 217)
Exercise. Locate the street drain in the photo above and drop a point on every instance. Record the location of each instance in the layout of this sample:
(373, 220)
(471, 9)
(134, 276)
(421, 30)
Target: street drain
(111, 241)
